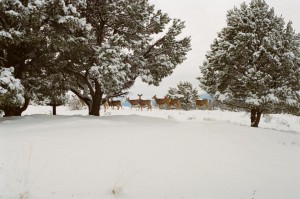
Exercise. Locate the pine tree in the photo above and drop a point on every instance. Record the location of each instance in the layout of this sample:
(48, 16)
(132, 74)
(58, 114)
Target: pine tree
(11, 91)
(185, 93)
(128, 43)
(34, 35)
(51, 91)
(14, 45)
(254, 62)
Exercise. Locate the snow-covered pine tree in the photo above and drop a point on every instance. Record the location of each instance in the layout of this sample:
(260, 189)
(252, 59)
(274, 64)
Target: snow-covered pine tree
(33, 35)
(51, 91)
(130, 41)
(254, 62)
(289, 101)
(13, 47)
(11, 91)
(185, 93)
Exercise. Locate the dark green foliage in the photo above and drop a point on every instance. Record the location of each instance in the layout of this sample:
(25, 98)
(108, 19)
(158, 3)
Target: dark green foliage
(185, 93)
(34, 36)
(124, 49)
(254, 62)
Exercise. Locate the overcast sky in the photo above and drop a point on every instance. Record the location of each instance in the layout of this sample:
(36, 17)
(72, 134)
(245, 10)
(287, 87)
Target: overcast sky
(203, 19)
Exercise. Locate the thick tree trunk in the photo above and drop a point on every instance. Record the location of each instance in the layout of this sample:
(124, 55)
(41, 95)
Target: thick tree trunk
(16, 111)
(255, 117)
(94, 109)
(94, 102)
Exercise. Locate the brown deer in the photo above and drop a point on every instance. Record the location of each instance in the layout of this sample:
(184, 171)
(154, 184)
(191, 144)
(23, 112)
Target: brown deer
(144, 103)
(112, 103)
(160, 101)
(105, 106)
(201, 102)
(134, 102)
(173, 102)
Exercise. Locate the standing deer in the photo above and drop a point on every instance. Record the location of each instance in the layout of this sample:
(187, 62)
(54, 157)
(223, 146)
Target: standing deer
(159, 101)
(201, 102)
(173, 102)
(144, 103)
(112, 103)
(105, 106)
(134, 102)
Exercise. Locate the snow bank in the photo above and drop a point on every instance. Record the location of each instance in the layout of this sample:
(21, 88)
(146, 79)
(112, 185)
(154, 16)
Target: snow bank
(148, 154)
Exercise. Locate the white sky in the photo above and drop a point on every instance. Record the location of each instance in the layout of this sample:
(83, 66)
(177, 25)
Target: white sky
(203, 19)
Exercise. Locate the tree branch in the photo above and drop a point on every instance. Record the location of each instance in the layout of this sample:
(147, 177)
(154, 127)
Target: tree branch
(152, 46)
(87, 80)
(82, 97)
(235, 105)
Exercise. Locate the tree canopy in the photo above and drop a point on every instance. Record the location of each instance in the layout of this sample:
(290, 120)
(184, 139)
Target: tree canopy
(98, 47)
(130, 39)
(11, 90)
(185, 93)
(33, 33)
(254, 62)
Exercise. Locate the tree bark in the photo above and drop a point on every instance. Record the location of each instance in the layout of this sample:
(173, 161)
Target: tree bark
(95, 108)
(255, 116)
(96, 103)
(54, 109)
(54, 104)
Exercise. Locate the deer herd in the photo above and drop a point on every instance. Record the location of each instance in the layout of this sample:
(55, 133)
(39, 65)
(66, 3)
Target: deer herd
(160, 102)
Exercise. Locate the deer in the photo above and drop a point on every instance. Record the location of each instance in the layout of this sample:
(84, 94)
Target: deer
(105, 106)
(112, 103)
(160, 101)
(134, 102)
(143, 103)
(201, 102)
(173, 102)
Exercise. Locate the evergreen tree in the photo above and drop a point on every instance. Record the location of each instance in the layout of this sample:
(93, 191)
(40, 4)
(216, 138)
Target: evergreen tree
(100, 58)
(129, 41)
(185, 93)
(11, 91)
(254, 62)
(34, 35)
(15, 48)
(52, 91)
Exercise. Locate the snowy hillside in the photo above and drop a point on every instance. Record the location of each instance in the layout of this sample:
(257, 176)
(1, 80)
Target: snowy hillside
(148, 154)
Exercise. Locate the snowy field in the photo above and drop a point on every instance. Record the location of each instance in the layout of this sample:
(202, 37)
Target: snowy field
(159, 154)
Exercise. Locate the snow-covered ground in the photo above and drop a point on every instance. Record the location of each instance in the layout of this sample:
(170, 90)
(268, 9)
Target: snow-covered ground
(159, 154)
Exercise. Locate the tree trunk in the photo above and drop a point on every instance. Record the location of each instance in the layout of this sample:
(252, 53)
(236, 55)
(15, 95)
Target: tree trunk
(54, 109)
(16, 111)
(94, 102)
(94, 109)
(54, 104)
(255, 117)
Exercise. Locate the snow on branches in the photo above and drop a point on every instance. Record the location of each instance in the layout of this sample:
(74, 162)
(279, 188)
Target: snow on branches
(255, 59)
(11, 89)
(254, 62)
